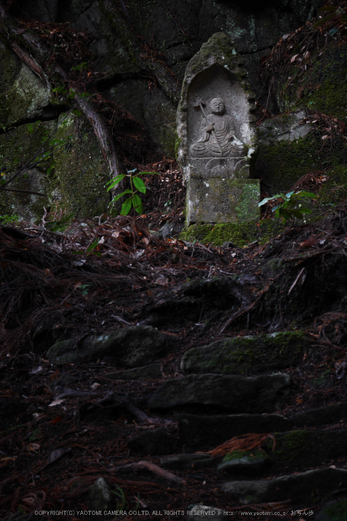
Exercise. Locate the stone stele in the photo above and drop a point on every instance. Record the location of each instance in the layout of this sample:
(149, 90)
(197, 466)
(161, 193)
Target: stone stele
(216, 136)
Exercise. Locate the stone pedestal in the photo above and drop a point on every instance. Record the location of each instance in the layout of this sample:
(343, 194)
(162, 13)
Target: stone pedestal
(215, 126)
(221, 200)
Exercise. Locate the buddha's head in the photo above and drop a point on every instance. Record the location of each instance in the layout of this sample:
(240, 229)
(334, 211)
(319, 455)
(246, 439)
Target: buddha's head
(217, 106)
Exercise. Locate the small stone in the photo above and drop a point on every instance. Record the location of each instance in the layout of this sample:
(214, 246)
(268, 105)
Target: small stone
(100, 495)
(248, 462)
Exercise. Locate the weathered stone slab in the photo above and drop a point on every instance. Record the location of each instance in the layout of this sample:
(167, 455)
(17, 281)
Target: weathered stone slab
(234, 393)
(216, 135)
(295, 487)
(198, 431)
(128, 347)
(244, 355)
(219, 199)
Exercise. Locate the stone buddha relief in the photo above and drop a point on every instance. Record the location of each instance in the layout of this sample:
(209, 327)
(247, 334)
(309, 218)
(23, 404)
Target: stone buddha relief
(224, 153)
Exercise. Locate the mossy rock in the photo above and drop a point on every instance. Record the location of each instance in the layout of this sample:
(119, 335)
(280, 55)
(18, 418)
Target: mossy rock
(23, 96)
(81, 171)
(304, 448)
(322, 86)
(281, 163)
(18, 147)
(237, 461)
(247, 355)
(333, 511)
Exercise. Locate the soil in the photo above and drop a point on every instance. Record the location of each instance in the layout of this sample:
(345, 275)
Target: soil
(113, 272)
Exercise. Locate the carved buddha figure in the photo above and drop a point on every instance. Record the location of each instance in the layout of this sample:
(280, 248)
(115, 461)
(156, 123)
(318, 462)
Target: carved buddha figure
(217, 134)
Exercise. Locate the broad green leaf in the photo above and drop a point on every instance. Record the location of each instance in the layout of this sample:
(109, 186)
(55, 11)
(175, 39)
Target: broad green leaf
(307, 194)
(113, 182)
(139, 184)
(264, 201)
(126, 206)
(116, 197)
(137, 204)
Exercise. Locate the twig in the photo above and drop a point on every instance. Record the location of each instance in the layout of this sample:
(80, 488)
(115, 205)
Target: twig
(248, 308)
(153, 468)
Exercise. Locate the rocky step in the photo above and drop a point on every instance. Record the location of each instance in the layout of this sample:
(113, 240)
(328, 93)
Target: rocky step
(302, 492)
(204, 431)
(248, 355)
(303, 487)
(236, 394)
(268, 454)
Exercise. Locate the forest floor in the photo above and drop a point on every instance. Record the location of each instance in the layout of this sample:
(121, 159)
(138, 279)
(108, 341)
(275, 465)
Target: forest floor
(110, 273)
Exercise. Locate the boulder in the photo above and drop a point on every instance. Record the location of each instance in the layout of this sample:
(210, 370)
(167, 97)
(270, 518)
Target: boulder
(128, 347)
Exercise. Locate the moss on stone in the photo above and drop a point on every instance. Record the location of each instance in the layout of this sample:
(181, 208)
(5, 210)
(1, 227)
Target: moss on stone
(282, 163)
(303, 448)
(24, 99)
(255, 454)
(248, 355)
(240, 234)
(17, 147)
(322, 86)
(81, 172)
(335, 511)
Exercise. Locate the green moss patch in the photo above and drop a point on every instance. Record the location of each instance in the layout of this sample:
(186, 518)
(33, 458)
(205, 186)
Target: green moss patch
(240, 234)
(247, 355)
(303, 448)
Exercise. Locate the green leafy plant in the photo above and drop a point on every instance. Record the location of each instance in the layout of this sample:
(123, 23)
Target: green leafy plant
(9, 219)
(136, 186)
(291, 205)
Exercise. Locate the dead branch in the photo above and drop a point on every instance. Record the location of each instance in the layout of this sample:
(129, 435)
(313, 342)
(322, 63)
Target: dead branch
(152, 468)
